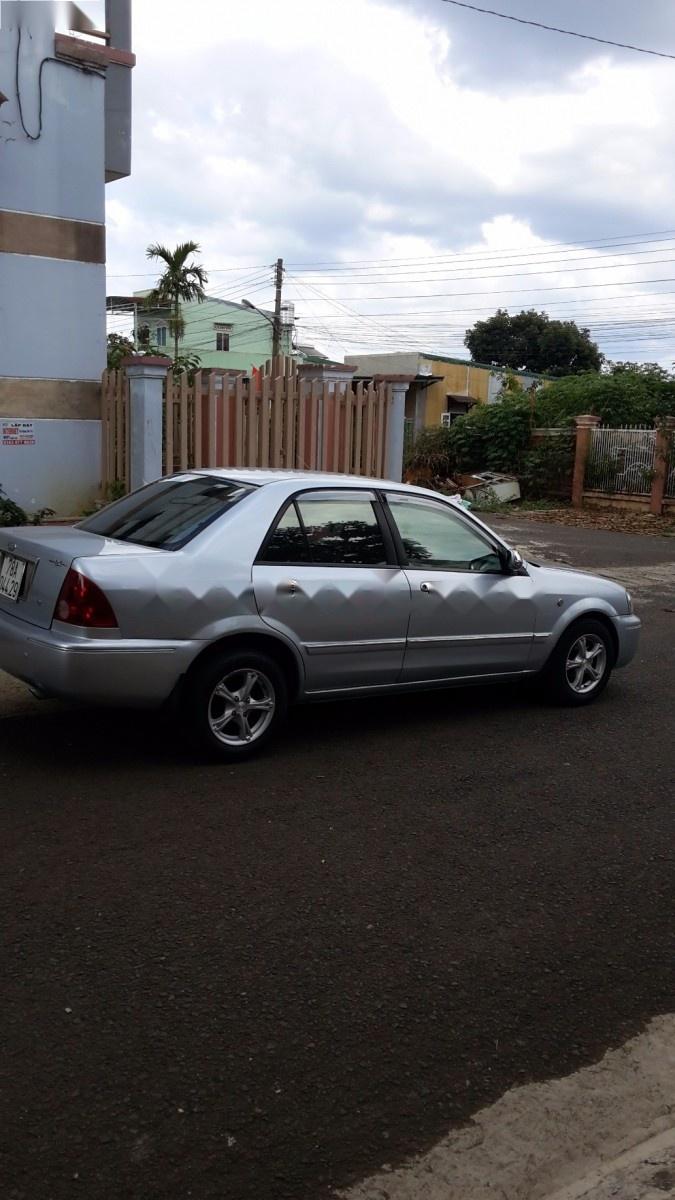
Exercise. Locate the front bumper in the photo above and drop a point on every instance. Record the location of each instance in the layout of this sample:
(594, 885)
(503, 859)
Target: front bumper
(628, 629)
(99, 670)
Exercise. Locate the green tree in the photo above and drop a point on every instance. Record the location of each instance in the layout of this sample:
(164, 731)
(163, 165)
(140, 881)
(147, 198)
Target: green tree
(182, 281)
(531, 341)
(118, 347)
(628, 394)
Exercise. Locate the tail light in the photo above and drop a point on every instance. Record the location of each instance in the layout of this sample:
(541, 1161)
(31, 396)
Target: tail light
(81, 602)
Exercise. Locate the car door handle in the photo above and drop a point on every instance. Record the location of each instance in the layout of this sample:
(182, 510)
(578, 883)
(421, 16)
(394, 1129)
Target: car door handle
(289, 587)
(428, 588)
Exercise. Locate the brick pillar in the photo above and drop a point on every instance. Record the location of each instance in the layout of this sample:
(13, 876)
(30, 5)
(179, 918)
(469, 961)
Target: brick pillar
(585, 424)
(664, 442)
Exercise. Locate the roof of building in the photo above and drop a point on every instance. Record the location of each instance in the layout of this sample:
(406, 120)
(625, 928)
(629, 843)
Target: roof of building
(311, 354)
(469, 362)
(211, 300)
(432, 356)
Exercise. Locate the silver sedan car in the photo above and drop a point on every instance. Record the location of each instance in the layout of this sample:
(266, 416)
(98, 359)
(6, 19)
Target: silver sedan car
(233, 594)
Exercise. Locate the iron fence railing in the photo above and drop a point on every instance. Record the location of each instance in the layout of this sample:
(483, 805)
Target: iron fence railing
(670, 476)
(621, 460)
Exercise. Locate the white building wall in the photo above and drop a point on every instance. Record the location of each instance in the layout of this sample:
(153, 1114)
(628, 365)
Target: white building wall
(52, 321)
(51, 464)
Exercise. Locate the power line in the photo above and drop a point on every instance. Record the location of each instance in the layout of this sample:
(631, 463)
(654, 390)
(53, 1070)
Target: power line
(491, 291)
(623, 239)
(531, 257)
(588, 37)
(546, 269)
(450, 270)
(455, 259)
(211, 271)
(489, 308)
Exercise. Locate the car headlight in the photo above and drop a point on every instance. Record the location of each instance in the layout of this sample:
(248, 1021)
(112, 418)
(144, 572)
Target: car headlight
(629, 603)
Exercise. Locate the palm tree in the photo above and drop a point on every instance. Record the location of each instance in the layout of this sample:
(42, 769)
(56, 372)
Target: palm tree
(180, 281)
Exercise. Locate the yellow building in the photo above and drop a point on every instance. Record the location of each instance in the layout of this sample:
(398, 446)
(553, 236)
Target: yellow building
(441, 388)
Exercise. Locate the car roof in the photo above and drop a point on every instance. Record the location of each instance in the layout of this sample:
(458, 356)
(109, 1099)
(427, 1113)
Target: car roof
(261, 478)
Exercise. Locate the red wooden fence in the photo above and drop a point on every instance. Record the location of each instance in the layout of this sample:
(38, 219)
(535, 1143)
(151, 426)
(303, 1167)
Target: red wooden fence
(274, 419)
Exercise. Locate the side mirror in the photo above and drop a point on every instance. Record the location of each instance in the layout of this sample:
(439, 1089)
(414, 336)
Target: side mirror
(512, 561)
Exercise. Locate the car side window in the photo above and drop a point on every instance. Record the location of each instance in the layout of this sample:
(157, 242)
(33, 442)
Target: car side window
(336, 528)
(434, 537)
(342, 528)
(288, 542)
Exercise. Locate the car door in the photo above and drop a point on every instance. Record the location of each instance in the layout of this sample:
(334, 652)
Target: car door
(468, 617)
(327, 576)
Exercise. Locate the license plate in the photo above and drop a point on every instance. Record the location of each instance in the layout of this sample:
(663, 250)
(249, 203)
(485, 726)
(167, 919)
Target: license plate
(12, 572)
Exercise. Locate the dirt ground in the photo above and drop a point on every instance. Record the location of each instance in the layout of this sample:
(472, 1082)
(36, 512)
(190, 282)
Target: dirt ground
(594, 518)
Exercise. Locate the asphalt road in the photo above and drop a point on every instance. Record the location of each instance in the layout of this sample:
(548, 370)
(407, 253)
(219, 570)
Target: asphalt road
(266, 982)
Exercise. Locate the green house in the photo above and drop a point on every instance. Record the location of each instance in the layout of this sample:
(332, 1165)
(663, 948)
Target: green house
(223, 334)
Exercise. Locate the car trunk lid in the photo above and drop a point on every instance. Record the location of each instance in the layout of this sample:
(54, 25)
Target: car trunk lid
(47, 553)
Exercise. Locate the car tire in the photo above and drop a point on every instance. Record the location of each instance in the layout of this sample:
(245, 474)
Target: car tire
(581, 664)
(234, 703)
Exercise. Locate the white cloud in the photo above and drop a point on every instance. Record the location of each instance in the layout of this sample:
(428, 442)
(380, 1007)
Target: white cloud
(264, 129)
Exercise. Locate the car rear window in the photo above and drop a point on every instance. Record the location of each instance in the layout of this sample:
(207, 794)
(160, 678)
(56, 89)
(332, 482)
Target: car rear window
(169, 513)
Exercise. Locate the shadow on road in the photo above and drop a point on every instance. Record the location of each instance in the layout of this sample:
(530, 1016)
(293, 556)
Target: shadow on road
(124, 737)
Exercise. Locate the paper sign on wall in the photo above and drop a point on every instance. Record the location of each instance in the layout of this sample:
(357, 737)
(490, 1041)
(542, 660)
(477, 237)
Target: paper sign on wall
(17, 433)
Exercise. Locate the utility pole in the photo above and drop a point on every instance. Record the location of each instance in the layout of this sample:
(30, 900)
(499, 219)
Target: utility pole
(276, 330)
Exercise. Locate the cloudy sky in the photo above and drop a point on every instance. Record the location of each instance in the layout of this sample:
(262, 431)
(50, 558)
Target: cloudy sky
(416, 164)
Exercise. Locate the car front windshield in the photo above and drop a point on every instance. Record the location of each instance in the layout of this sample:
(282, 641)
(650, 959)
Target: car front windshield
(169, 513)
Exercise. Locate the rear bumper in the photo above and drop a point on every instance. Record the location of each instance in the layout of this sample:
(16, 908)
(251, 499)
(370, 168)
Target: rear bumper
(628, 629)
(101, 671)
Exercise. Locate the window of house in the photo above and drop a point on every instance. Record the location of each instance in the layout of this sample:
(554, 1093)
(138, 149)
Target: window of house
(222, 336)
(160, 335)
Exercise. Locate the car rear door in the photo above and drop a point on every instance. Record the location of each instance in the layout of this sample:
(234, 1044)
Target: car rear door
(327, 577)
(468, 617)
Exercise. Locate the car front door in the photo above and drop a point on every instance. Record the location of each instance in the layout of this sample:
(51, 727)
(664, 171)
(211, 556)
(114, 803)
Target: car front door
(327, 577)
(468, 617)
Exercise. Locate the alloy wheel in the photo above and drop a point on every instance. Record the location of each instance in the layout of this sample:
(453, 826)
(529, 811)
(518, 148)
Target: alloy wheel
(241, 707)
(586, 663)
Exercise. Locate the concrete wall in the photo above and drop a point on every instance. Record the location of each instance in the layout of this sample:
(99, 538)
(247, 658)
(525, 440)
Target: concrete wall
(398, 363)
(58, 468)
(118, 93)
(51, 318)
(52, 233)
(60, 174)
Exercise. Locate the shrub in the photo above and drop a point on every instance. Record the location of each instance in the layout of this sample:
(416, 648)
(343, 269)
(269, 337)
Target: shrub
(12, 513)
(432, 453)
(547, 467)
(627, 396)
(492, 437)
